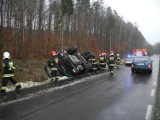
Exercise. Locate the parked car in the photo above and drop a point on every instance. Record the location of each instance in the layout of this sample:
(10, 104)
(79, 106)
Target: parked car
(129, 60)
(143, 63)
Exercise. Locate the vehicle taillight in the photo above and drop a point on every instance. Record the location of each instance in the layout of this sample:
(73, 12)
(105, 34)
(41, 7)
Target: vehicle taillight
(132, 65)
(149, 65)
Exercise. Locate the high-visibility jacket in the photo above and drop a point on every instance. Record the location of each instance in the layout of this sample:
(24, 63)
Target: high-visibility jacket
(53, 62)
(111, 61)
(93, 61)
(102, 59)
(118, 59)
(8, 68)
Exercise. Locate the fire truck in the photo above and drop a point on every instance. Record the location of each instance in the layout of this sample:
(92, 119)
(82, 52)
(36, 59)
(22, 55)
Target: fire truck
(140, 52)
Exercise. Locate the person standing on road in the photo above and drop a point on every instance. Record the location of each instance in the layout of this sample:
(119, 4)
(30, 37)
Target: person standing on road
(111, 61)
(103, 59)
(118, 60)
(53, 63)
(8, 73)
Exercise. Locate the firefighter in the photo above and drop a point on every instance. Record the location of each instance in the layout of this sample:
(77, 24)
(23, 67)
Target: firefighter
(53, 63)
(118, 60)
(111, 62)
(94, 63)
(8, 73)
(103, 59)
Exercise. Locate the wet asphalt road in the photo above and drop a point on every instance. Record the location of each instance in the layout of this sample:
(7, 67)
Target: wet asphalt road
(124, 96)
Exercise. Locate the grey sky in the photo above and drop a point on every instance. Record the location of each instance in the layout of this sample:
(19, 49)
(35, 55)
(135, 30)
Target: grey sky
(146, 13)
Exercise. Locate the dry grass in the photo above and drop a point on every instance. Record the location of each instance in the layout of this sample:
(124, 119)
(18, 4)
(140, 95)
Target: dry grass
(32, 70)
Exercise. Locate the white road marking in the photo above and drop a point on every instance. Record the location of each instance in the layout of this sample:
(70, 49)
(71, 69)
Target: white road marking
(152, 93)
(149, 111)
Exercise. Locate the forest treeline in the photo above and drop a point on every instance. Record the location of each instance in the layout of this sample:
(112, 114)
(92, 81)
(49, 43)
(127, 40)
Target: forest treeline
(33, 28)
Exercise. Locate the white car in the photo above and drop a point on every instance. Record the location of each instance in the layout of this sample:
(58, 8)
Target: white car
(129, 61)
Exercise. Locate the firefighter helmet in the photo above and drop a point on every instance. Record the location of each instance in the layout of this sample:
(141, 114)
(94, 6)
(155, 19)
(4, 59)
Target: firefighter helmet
(6, 55)
(103, 53)
(53, 53)
(111, 53)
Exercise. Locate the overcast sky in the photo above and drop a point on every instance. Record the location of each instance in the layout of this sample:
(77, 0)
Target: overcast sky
(146, 13)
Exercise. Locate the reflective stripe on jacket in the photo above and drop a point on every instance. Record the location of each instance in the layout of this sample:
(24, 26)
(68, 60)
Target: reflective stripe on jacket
(8, 75)
(53, 61)
(54, 68)
(112, 65)
(3, 88)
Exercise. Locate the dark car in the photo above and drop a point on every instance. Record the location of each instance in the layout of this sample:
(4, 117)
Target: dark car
(72, 63)
(142, 64)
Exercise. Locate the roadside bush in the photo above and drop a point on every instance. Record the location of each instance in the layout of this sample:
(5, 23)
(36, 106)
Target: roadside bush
(32, 70)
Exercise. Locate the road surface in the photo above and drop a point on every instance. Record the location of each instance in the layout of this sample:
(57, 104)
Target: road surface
(124, 96)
